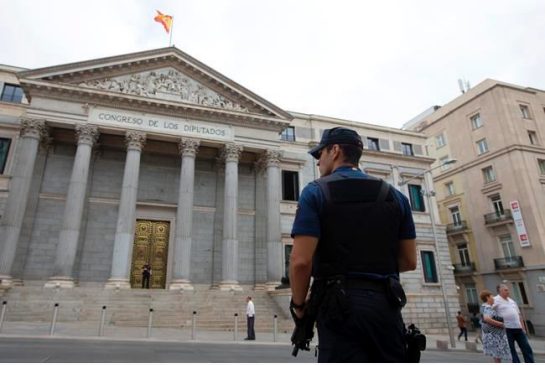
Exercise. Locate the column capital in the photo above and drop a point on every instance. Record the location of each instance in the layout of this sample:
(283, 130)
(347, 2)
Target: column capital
(272, 158)
(189, 147)
(135, 140)
(231, 152)
(87, 134)
(33, 128)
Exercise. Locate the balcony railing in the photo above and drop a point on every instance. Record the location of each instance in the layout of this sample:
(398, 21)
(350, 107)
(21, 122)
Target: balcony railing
(464, 268)
(456, 227)
(498, 217)
(508, 262)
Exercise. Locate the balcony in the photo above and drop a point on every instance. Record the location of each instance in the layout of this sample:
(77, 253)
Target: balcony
(498, 217)
(458, 227)
(464, 268)
(512, 262)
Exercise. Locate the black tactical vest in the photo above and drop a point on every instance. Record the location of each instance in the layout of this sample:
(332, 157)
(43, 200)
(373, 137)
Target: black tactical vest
(360, 225)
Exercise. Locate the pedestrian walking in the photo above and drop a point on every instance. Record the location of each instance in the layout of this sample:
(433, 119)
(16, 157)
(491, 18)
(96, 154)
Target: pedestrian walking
(494, 337)
(461, 325)
(515, 328)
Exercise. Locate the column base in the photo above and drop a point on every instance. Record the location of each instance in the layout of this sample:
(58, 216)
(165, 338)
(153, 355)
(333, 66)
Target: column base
(181, 285)
(229, 286)
(117, 284)
(60, 282)
(271, 285)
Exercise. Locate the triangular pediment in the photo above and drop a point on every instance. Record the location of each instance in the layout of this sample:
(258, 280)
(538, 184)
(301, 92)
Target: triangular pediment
(166, 74)
(166, 84)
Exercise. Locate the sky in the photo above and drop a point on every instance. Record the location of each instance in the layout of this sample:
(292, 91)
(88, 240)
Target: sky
(379, 62)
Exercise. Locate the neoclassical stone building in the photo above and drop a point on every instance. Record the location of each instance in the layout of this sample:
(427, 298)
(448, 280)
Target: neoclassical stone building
(153, 157)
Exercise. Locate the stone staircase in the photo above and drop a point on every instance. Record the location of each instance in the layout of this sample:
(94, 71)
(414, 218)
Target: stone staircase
(130, 308)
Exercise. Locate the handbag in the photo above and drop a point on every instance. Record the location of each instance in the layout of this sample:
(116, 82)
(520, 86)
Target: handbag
(497, 318)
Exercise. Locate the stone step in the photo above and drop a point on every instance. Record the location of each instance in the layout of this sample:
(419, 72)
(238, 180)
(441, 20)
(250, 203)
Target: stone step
(131, 307)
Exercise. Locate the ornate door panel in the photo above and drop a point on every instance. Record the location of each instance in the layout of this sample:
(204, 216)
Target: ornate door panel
(150, 246)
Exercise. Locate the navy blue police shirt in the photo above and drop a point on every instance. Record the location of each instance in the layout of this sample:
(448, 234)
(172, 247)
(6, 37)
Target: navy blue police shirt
(311, 203)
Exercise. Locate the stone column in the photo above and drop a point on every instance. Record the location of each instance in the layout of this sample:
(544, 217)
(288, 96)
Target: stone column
(73, 210)
(32, 131)
(184, 216)
(274, 235)
(230, 155)
(126, 218)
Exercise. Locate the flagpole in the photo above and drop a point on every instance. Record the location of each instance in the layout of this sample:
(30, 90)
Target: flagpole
(171, 28)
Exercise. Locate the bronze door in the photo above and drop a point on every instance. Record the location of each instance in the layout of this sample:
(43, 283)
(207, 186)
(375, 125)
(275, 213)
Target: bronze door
(150, 246)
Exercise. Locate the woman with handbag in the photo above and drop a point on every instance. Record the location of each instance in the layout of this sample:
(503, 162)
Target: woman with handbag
(494, 338)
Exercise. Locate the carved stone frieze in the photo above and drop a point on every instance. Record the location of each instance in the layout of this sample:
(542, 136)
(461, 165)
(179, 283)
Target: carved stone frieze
(34, 128)
(189, 147)
(87, 133)
(231, 152)
(135, 140)
(166, 84)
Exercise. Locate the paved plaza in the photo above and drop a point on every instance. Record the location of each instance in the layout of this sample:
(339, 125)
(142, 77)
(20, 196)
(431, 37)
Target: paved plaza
(32, 342)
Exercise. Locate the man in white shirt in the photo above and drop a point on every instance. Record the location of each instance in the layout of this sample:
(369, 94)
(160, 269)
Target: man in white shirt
(514, 325)
(250, 319)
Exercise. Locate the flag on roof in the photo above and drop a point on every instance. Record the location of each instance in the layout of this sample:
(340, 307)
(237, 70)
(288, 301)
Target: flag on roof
(164, 19)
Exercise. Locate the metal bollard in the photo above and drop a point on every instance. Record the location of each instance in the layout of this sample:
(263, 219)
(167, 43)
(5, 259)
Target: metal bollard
(54, 321)
(235, 332)
(3, 314)
(102, 320)
(149, 321)
(194, 326)
(275, 327)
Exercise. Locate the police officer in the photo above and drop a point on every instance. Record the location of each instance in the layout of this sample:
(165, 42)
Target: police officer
(353, 234)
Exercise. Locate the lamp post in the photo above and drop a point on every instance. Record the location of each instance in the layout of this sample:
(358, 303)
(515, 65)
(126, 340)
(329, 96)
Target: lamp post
(428, 193)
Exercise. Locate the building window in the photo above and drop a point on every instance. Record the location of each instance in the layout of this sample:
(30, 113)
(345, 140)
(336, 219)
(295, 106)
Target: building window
(541, 164)
(290, 185)
(440, 140)
(519, 293)
(497, 204)
(288, 134)
(482, 146)
(4, 149)
(456, 216)
(463, 252)
(372, 144)
(450, 188)
(287, 255)
(428, 266)
(533, 137)
(489, 175)
(507, 246)
(476, 122)
(12, 93)
(471, 294)
(407, 149)
(416, 198)
(524, 111)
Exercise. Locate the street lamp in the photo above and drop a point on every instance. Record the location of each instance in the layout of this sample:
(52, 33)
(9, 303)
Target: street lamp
(428, 193)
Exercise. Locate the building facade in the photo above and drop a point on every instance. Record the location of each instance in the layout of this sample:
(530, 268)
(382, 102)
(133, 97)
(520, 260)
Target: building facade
(155, 158)
(492, 199)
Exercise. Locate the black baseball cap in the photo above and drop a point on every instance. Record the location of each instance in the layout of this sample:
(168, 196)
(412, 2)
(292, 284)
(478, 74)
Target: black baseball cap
(337, 135)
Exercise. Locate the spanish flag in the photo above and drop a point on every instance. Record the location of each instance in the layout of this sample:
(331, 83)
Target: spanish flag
(164, 19)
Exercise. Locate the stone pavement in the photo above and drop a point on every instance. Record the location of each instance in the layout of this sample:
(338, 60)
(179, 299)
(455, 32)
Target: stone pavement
(88, 331)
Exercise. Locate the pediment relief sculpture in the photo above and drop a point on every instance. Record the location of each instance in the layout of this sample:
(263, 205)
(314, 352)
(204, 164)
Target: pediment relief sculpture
(167, 84)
